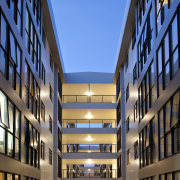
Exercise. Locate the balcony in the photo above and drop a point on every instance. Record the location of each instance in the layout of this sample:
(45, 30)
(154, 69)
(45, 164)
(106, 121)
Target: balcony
(89, 148)
(89, 99)
(93, 123)
(89, 174)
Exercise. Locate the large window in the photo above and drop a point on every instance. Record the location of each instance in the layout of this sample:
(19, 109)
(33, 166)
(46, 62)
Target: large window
(128, 124)
(119, 140)
(36, 7)
(59, 140)
(42, 150)
(59, 112)
(136, 147)
(145, 42)
(10, 118)
(16, 11)
(169, 127)
(50, 92)
(43, 76)
(59, 87)
(127, 92)
(59, 167)
(10, 56)
(119, 167)
(140, 9)
(118, 86)
(118, 112)
(128, 155)
(148, 178)
(32, 144)
(162, 8)
(50, 156)
(9, 176)
(167, 56)
(50, 124)
(32, 42)
(134, 74)
(146, 92)
(170, 176)
(32, 92)
(146, 144)
(42, 111)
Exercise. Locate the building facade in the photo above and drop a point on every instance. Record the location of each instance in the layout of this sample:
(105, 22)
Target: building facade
(55, 125)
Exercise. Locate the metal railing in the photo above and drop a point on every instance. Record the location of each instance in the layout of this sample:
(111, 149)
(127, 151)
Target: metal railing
(89, 148)
(89, 123)
(89, 99)
(88, 173)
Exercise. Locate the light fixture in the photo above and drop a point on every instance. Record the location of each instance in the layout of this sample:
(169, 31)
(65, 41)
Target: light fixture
(89, 161)
(88, 93)
(89, 151)
(89, 116)
(89, 138)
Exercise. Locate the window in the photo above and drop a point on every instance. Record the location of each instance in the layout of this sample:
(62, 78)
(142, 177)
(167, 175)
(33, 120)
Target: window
(59, 87)
(36, 7)
(127, 92)
(32, 42)
(148, 178)
(59, 167)
(32, 92)
(50, 124)
(170, 176)
(9, 176)
(50, 157)
(119, 167)
(42, 111)
(59, 113)
(51, 63)
(134, 74)
(136, 150)
(9, 128)
(50, 93)
(141, 8)
(119, 140)
(145, 43)
(169, 127)
(127, 63)
(16, 11)
(135, 111)
(128, 156)
(162, 8)
(42, 150)
(128, 124)
(31, 144)
(146, 145)
(118, 111)
(167, 56)
(146, 94)
(59, 140)
(43, 74)
(44, 38)
(10, 56)
(134, 38)
(118, 87)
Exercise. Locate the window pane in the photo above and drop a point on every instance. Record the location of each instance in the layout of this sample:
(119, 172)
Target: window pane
(16, 149)
(4, 40)
(174, 33)
(166, 48)
(3, 109)
(159, 60)
(2, 140)
(9, 177)
(168, 145)
(169, 177)
(11, 116)
(13, 47)
(162, 177)
(175, 61)
(16, 177)
(176, 140)
(162, 148)
(18, 60)
(10, 144)
(167, 116)
(2, 176)
(17, 123)
(3, 62)
(175, 109)
(177, 176)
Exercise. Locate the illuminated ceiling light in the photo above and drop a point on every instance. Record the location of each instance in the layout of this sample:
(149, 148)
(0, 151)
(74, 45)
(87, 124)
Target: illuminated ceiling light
(88, 93)
(89, 151)
(89, 116)
(89, 161)
(89, 138)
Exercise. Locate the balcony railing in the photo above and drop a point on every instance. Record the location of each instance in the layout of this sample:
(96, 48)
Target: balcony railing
(89, 99)
(88, 173)
(92, 123)
(89, 148)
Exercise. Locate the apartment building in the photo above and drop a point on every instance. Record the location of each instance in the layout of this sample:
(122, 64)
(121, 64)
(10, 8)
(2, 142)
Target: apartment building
(147, 81)
(57, 125)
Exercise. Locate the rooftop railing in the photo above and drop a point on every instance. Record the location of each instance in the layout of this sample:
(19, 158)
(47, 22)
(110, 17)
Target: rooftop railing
(89, 123)
(89, 99)
(89, 148)
(88, 173)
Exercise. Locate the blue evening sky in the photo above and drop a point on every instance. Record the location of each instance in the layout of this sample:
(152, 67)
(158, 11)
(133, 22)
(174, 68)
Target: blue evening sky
(89, 33)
